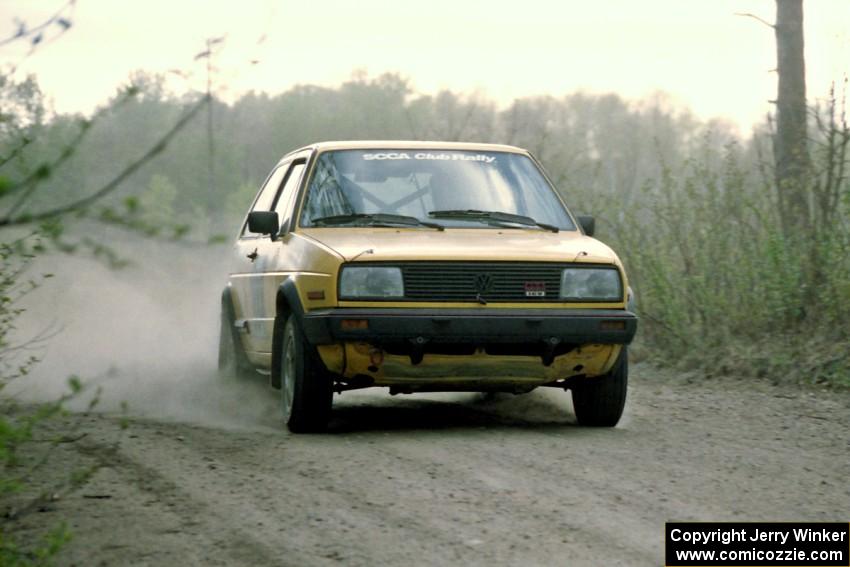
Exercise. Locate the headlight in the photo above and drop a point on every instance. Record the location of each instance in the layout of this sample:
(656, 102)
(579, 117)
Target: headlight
(591, 284)
(370, 282)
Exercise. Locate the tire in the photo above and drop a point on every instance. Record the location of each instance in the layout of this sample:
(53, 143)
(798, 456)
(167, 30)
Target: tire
(306, 388)
(232, 363)
(599, 402)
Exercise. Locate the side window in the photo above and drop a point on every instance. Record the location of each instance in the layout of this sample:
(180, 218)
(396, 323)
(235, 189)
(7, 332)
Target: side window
(283, 206)
(267, 194)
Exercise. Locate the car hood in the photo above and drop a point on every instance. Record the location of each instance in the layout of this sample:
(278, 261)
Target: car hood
(390, 244)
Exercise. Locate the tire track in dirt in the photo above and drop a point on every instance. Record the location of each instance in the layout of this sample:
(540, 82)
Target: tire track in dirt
(462, 479)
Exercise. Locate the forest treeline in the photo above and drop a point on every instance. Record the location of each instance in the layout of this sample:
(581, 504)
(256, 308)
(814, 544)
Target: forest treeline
(690, 205)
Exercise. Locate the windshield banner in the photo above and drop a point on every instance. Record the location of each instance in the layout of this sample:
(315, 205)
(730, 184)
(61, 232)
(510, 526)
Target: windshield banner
(430, 156)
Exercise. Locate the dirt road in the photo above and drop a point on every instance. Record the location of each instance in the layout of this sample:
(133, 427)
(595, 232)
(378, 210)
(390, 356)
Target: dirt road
(451, 479)
(205, 474)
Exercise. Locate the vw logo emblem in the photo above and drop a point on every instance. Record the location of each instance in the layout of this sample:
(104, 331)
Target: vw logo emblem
(483, 283)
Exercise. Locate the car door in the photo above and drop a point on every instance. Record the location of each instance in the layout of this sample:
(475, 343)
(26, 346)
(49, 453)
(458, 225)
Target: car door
(262, 262)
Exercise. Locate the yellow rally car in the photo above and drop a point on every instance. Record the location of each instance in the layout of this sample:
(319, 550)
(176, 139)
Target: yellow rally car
(422, 267)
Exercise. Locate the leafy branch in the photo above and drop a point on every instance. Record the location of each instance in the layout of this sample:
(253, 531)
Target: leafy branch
(31, 182)
(157, 148)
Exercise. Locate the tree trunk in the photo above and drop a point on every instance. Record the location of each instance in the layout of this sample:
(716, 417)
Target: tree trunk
(790, 147)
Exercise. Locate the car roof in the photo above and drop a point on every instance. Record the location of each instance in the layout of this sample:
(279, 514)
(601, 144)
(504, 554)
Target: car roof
(408, 145)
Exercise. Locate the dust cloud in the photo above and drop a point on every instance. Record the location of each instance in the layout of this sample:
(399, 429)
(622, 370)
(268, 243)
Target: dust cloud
(145, 334)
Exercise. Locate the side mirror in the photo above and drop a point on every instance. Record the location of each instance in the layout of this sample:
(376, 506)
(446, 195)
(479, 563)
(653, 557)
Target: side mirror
(264, 222)
(588, 224)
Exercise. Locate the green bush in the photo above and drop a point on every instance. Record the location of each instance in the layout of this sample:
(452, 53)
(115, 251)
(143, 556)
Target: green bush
(722, 286)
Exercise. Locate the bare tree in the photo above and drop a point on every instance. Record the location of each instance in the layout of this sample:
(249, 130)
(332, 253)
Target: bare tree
(790, 142)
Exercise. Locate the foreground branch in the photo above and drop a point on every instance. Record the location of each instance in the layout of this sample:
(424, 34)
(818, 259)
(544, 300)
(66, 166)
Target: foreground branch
(30, 184)
(116, 181)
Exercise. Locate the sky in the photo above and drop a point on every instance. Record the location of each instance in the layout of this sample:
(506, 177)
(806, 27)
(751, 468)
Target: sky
(699, 52)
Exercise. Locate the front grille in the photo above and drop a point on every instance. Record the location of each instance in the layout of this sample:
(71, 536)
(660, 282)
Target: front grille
(493, 281)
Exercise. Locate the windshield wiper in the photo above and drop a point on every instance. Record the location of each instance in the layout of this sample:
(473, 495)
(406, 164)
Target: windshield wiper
(375, 219)
(485, 216)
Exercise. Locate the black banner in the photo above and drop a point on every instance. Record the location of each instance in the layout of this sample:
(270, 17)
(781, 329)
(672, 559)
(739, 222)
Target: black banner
(768, 544)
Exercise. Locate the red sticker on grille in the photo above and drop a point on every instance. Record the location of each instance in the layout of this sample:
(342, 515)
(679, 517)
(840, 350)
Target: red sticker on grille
(535, 289)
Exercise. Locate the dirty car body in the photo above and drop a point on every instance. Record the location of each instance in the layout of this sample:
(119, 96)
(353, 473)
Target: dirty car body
(423, 266)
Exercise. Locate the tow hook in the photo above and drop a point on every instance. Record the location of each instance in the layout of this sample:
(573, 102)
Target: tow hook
(376, 359)
(549, 347)
(417, 353)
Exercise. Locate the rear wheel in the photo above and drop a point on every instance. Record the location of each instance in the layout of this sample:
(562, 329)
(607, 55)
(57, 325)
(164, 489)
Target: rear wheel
(599, 402)
(305, 384)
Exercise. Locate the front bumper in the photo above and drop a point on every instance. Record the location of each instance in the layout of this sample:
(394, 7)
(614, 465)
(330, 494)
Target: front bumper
(467, 349)
(470, 326)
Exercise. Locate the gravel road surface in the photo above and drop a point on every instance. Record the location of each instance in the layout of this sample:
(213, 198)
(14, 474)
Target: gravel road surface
(460, 479)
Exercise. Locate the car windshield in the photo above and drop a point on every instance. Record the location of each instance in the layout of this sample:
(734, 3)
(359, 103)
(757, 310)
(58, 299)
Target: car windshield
(454, 188)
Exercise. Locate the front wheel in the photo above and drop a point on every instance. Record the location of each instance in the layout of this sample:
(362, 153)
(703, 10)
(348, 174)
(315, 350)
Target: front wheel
(305, 385)
(599, 402)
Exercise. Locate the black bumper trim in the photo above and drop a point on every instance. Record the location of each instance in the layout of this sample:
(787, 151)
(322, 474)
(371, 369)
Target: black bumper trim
(491, 325)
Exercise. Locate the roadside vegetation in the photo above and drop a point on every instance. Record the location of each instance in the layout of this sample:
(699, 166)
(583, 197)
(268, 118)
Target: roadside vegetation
(33, 152)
